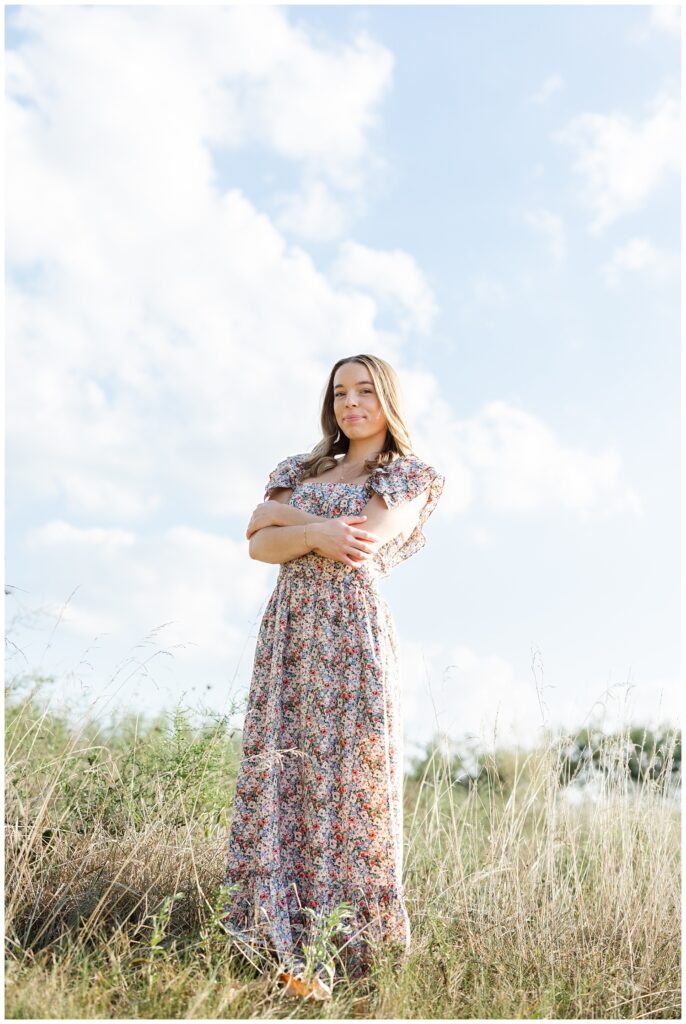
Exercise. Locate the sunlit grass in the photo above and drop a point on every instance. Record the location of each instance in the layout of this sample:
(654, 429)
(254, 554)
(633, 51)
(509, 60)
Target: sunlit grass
(523, 903)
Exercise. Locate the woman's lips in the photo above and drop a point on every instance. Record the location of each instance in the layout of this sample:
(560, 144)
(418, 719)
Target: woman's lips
(351, 419)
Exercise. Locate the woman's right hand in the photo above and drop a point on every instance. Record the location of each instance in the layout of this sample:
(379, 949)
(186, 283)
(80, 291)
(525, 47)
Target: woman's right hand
(344, 540)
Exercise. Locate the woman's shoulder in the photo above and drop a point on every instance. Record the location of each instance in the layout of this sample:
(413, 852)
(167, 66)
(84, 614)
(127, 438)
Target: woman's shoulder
(294, 462)
(406, 477)
(286, 473)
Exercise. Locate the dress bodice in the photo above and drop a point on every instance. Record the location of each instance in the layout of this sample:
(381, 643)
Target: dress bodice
(333, 499)
(401, 480)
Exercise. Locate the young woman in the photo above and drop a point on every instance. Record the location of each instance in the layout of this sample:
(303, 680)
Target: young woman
(318, 815)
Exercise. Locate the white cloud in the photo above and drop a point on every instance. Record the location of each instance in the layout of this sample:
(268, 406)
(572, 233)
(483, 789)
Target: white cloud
(318, 107)
(165, 337)
(667, 18)
(480, 537)
(461, 695)
(145, 342)
(313, 214)
(551, 85)
(487, 291)
(198, 582)
(522, 466)
(621, 160)
(86, 622)
(464, 695)
(392, 277)
(60, 532)
(510, 460)
(173, 79)
(639, 255)
(552, 229)
(145, 305)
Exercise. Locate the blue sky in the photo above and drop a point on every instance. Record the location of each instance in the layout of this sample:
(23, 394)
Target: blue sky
(206, 207)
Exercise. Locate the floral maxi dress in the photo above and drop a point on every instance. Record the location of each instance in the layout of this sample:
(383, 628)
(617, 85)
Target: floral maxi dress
(317, 818)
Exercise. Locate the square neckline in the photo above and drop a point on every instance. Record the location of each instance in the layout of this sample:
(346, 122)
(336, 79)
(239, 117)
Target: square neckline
(332, 483)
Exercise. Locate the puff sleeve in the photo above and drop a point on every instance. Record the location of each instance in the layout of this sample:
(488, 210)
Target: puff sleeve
(286, 474)
(403, 480)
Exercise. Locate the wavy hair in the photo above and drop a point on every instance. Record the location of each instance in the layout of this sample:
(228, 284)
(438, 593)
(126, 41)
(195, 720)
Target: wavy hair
(334, 442)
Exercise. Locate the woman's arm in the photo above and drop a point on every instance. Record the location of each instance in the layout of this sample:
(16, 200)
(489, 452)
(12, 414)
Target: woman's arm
(388, 523)
(276, 532)
(335, 538)
(276, 544)
(276, 512)
(384, 522)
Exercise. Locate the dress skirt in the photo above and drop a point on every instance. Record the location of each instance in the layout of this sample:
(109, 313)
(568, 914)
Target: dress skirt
(318, 813)
(317, 821)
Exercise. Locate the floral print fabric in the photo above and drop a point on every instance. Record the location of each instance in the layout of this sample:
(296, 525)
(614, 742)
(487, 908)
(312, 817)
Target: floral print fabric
(318, 817)
(403, 480)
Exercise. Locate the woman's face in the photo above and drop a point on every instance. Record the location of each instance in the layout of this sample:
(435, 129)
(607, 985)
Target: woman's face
(354, 395)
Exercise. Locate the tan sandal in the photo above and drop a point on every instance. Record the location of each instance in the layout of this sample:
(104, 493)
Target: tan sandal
(312, 989)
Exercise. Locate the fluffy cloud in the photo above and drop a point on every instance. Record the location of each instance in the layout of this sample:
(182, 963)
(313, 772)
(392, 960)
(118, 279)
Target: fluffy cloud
(551, 85)
(622, 161)
(485, 699)
(166, 336)
(391, 277)
(145, 304)
(667, 18)
(198, 582)
(508, 459)
(640, 256)
(314, 214)
(552, 229)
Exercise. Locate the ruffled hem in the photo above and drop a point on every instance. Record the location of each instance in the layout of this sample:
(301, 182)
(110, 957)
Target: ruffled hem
(266, 921)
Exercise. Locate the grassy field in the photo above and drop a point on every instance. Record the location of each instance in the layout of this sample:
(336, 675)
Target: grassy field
(524, 904)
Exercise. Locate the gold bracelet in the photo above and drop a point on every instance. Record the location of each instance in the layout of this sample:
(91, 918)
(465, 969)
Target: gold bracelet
(306, 542)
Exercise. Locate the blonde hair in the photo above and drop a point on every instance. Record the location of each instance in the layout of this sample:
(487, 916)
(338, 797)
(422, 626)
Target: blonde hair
(397, 441)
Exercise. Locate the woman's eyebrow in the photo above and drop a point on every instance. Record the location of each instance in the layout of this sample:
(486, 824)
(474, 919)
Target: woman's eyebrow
(337, 386)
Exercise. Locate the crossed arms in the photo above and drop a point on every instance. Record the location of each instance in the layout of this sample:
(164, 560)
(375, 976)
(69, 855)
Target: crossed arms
(276, 529)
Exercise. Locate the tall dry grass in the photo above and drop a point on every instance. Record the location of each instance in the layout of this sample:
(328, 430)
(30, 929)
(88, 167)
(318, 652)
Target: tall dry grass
(523, 903)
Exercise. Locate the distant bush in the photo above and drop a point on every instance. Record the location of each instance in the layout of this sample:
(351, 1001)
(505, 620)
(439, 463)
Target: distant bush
(640, 754)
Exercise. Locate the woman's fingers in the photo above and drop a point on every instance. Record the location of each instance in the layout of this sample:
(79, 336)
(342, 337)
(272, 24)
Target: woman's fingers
(361, 553)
